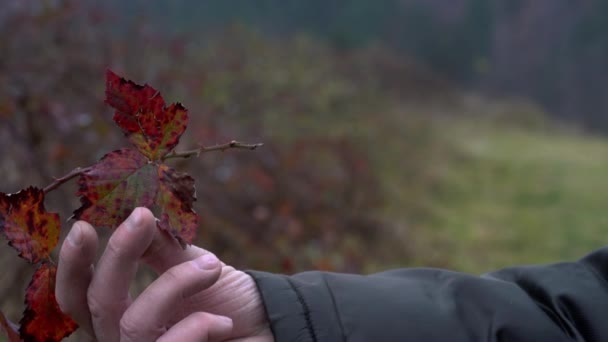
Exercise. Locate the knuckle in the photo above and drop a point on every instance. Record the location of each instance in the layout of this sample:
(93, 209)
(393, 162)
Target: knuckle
(173, 274)
(96, 307)
(133, 328)
(129, 328)
(101, 308)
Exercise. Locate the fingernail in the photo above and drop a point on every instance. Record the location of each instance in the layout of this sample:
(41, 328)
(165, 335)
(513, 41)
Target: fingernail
(133, 220)
(207, 262)
(75, 235)
(223, 320)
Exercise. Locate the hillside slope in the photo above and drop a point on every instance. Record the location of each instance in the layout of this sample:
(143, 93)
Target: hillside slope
(504, 195)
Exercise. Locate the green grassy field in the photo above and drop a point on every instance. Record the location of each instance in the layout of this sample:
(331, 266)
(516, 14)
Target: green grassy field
(480, 192)
(506, 195)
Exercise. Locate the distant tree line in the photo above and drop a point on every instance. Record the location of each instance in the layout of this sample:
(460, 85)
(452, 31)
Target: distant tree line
(553, 51)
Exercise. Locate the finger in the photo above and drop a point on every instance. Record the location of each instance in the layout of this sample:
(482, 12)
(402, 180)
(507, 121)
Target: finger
(74, 273)
(108, 295)
(165, 252)
(267, 337)
(199, 327)
(148, 316)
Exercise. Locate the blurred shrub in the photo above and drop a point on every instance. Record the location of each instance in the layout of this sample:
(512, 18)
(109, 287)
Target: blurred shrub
(302, 205)
(50, 54)
(308, 199)
(316, 200)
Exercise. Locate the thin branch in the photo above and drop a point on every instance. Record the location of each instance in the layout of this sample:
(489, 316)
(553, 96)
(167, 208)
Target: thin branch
(58, 181)
(185, 154)
(222, 147)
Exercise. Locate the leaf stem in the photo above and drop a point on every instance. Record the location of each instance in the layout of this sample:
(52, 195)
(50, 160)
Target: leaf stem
(221, 147)
(58, 181)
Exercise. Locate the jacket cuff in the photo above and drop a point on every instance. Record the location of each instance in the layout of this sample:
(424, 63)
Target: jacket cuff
(299, 308)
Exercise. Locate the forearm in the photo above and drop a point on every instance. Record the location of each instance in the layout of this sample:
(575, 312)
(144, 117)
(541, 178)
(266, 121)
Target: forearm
(534, 303)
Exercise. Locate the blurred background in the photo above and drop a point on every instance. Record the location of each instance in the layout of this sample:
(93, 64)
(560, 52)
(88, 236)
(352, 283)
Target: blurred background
(463, 134)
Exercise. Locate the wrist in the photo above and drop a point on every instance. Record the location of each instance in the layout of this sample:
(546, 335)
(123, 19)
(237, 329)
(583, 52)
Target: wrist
(264, 333)
(249, 317)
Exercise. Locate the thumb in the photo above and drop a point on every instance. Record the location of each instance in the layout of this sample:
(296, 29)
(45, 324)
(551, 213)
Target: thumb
(200, 326)
(164, 251)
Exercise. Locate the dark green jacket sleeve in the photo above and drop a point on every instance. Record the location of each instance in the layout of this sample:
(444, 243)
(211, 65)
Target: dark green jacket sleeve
(553, 303)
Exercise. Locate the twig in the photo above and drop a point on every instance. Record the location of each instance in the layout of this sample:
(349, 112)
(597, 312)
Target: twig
(222, 147)
(185, 154)
(58, 181)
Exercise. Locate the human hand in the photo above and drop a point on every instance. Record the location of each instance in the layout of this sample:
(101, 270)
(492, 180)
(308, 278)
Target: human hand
(195, 298)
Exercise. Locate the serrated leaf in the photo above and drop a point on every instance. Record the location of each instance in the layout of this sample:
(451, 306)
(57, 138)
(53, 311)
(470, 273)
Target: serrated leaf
(123, 180)
(152, 127)
(10, 329)
(174, 200)
(42, 319)
(28, 227)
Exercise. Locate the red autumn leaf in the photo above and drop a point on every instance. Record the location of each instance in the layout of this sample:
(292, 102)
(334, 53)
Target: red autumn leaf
(10, 329)
(123, 180)
(27, 226)
(114, 186)
(142, 114)
(173, 205)
(42, 319)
